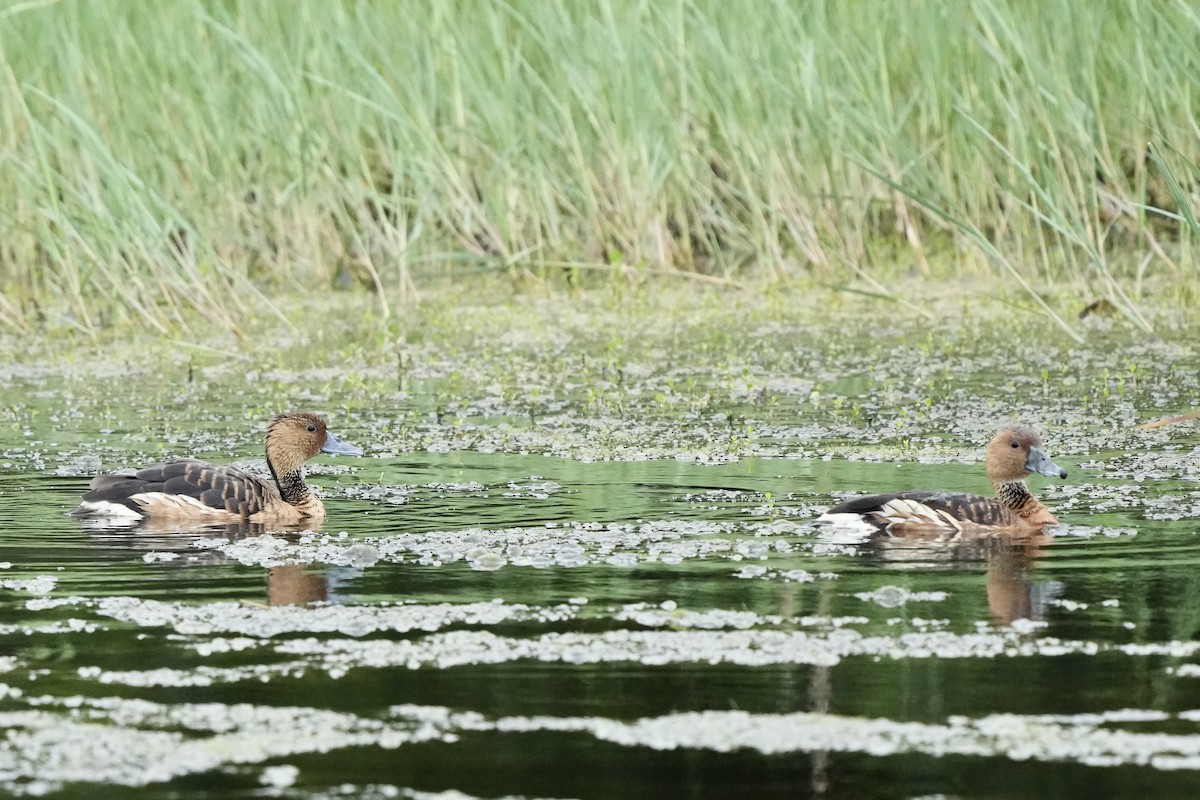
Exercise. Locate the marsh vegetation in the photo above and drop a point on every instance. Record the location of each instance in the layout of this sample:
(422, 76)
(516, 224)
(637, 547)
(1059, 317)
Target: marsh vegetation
(172, 158)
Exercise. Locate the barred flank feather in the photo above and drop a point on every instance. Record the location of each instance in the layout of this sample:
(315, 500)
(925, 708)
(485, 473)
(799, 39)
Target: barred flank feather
(926, 509)
(227, 489)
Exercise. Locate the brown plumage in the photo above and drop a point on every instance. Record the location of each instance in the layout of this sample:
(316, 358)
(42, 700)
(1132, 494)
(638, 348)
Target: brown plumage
(188, 489)
(1012, 454)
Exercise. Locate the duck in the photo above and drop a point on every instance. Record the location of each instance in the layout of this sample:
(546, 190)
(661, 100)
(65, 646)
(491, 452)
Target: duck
(1013, 453)
(190, 489)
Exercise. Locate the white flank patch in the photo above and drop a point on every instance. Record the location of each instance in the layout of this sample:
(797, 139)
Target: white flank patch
(160, 505)
(103, 508)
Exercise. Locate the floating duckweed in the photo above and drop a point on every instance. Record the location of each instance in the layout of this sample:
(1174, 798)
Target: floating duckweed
(488, 561)
(667, 615)
(750, 647)
(1089, 531)
(712, 637)
(47, 746)
(354, 620)
(200, 676)
(1068, 605)
(280, 776)
(45, 603)
(361, 555)
(893, 596)
(759, 572)
(81, 465)
(536, 488)
(42, 584)
(620, 545)
(752, 549)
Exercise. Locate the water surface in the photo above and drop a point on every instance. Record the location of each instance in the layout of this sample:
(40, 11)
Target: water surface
(579, 565)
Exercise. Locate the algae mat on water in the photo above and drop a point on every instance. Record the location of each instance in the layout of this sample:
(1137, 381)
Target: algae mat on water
(577, 560)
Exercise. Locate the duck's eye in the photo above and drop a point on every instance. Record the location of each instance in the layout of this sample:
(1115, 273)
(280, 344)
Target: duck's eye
(313, 429)
(1015, 443)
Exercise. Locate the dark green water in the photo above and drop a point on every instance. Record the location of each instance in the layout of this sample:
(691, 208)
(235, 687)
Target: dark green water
(518, 593)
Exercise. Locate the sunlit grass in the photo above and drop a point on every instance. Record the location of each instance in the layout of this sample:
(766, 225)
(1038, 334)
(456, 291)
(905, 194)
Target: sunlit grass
(162, 159)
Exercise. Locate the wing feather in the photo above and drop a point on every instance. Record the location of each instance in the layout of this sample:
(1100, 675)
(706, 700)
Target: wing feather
(948, 510)
(220, 488)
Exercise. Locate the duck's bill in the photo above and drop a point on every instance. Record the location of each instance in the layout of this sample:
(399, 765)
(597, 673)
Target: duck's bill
(1040, 463)
(336, 448)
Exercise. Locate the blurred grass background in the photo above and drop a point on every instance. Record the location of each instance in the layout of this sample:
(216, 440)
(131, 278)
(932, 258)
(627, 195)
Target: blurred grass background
(164, 159)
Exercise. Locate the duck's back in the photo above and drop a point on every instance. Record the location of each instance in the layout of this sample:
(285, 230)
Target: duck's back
(926, 510)
(181, 488)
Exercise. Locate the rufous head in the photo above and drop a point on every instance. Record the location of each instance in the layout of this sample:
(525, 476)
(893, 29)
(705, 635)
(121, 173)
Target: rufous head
(1015, 452)
(296, 437)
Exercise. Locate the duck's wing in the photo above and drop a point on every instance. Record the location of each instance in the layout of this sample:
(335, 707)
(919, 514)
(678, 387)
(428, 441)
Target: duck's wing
(180, 488)
(951, 511)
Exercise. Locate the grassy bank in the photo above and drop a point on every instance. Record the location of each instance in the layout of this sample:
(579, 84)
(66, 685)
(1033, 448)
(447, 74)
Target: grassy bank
(166, 158)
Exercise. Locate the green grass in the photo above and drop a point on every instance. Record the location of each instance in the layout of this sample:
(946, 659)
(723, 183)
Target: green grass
(164, 159)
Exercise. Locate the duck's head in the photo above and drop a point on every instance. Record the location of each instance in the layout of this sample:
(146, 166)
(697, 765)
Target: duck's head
(294, 438)
(1016, 452)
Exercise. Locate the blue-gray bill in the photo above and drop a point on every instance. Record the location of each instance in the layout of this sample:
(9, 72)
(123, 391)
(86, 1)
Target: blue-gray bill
(1040, 463)
(336, 448)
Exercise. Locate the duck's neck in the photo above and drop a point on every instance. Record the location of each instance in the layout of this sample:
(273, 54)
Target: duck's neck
(292, 487)
(1014, 496)
(289, 477)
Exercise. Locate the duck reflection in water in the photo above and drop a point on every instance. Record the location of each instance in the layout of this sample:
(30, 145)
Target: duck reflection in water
(1012, 594)
(286, 584)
